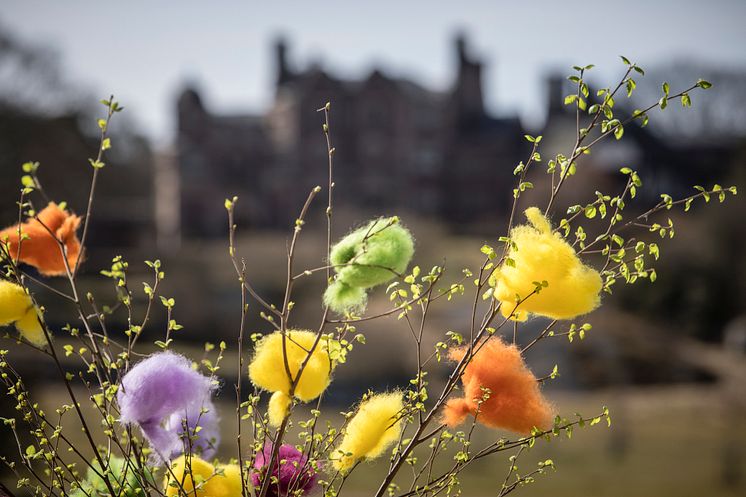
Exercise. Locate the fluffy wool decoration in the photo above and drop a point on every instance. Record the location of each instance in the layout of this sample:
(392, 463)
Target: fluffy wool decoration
(515, 402)
(40, 249)
(123, 478)
(295, 475)
(541, 255)
(375, 427)
(160, 388)
(16, 307)
(267, 369)
(279, 405)
(365, 258)
(204, 442)
(209, 483)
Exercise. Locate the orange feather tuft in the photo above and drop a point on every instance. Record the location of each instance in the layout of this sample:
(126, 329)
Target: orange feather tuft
(40, 247)
(515, 402)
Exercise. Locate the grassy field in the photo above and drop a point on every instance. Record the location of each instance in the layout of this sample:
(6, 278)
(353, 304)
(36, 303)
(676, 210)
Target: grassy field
(664, 441)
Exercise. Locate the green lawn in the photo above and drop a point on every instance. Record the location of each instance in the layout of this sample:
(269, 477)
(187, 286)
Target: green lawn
(664, 441)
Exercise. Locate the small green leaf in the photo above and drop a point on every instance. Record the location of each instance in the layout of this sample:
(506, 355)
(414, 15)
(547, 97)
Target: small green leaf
(631, 85)
(488, 251)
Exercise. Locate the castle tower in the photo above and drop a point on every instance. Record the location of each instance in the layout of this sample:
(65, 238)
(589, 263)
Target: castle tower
(283, 74)
(467, 101)
(555, 95)
(191, 113)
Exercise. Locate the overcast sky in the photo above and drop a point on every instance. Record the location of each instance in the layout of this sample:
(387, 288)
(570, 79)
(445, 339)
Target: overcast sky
(144, 50)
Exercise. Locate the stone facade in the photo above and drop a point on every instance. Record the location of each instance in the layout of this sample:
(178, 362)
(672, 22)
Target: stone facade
(400, 146)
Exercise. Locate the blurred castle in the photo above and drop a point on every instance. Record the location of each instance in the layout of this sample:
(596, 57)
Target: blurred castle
(399, 145)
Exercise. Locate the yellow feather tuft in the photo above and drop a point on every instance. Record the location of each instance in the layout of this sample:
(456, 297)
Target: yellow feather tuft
(267, 368)
(30, 328)
(537, 220)
(16, 307)
(14, 302)
(541, 255)
(374, 428)
(194, 472)
(279, 405)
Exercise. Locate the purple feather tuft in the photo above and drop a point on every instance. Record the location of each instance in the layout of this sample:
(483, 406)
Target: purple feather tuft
(294, 472)
(158, 393)
(203, 443)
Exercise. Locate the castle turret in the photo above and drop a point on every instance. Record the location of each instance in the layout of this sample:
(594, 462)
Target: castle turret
(467, 101)
(191, 113)
(555, 95)
(283, 74)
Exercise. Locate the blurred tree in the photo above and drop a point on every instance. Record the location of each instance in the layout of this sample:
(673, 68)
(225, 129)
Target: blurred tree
(31, 80)
(43, 118)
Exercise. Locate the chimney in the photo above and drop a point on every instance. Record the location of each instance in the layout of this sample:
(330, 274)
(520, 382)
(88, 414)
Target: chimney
(191, 113)
(460, 43)
(281, 68)
(467, 99)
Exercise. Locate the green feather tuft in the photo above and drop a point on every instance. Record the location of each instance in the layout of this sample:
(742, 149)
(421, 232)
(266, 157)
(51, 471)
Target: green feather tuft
(340, 297)
(367, 257)
(127, 482)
